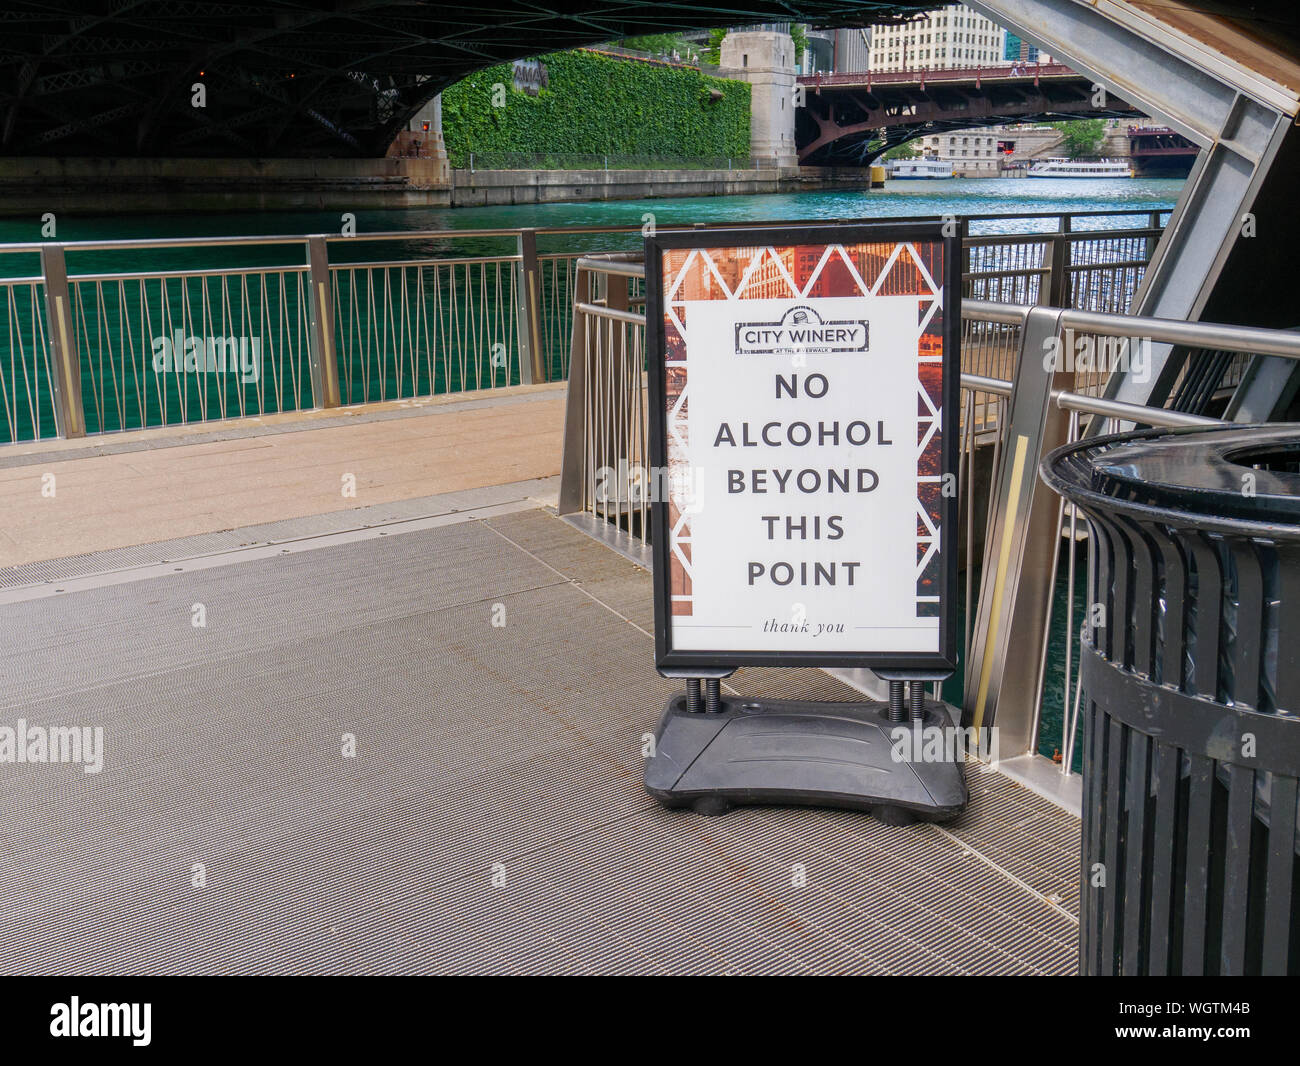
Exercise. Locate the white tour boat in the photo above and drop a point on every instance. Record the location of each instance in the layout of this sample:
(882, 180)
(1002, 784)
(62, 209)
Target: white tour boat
(1080, 168)
(924, 167)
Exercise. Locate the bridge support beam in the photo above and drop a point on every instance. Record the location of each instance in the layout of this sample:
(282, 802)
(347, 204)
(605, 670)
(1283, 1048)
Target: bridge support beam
(1242, 121)
(1016, 592)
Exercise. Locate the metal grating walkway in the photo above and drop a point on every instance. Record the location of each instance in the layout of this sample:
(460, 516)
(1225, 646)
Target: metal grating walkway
(477, 745)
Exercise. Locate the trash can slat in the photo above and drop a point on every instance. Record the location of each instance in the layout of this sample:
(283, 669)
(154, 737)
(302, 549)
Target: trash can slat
(1287, 683)
(1135, 848)
(1174, 617)
(1209, 595)
(1247, 665)
(1281, 867)
(1197, 886)
(1114, 890)
(1091, 900)
(1144, 600)
(1236, 870)
(1165, 762)
(1101, 590)
(1121, 576)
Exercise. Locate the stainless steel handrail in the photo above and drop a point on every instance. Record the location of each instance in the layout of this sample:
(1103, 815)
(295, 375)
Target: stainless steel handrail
(600, 311)
(140, 243)
(525, 305)
(1128, 412)
(1226, 338)
(1011, 409)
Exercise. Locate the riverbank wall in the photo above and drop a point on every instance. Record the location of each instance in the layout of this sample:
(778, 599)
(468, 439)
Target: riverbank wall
(489, 188)
(75, 186)
(78, 186)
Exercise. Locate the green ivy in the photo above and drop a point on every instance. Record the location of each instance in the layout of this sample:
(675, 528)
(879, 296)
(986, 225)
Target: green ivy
(1081, 138)
(595, 105)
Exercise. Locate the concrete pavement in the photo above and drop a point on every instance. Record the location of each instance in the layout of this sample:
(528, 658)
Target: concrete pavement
(61, 498)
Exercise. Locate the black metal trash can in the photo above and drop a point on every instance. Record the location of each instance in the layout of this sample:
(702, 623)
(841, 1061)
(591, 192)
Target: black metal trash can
(1191, 675)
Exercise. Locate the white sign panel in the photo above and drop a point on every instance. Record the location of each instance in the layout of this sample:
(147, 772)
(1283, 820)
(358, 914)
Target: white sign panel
(802, 433)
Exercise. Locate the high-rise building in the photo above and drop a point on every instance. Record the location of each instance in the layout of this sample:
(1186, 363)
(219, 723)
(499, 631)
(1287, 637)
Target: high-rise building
(952, 36)
(852, 51)
(1020, 51)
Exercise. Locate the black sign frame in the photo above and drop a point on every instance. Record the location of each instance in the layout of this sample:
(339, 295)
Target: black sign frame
(674, 661)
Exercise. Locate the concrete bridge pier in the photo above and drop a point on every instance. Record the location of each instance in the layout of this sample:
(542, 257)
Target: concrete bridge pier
(422, 138)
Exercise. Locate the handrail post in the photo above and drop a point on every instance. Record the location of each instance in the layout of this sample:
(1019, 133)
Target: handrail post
(1021, 548)
(963, 237)
(532, 362)
(573, 487)
(65, 364)
(324, 358)
(1153, 220)
(1054, 288)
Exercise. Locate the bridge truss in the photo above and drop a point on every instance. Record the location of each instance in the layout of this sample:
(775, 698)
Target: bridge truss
(286, 78)
(851, 119)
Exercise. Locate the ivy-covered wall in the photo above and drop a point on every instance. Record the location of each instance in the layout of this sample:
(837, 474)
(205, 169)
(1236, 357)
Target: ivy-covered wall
(596, 105)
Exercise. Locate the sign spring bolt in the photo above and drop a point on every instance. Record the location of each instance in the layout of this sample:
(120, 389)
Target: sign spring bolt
(896, 710)
(693, 702)
(918, 701)
(712, 695)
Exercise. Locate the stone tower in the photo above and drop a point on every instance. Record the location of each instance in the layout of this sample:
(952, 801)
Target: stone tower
(766, 61)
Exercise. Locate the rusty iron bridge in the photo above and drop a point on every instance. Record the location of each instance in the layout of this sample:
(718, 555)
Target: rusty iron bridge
(855, 118)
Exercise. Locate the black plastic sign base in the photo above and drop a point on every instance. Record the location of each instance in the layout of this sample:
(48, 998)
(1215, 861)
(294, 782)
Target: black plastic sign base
(797, 752)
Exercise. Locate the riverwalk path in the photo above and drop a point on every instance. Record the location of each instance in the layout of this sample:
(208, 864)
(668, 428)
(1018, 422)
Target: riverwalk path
(159, 484)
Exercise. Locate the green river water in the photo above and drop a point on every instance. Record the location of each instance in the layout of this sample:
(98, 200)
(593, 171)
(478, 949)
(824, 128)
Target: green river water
(969, 196)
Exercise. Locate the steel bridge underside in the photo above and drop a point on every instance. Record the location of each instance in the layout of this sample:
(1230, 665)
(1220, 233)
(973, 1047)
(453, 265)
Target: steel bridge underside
(292, 79)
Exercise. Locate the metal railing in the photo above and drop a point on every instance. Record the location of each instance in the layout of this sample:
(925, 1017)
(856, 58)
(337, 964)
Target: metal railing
(165, 347)
(419, 328)
(688, 62)
(475, 161)
(113, 335)
(1013, 531)
(922, 75)
(26, 380)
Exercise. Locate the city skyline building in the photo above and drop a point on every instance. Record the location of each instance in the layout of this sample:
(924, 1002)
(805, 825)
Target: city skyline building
(951, 36)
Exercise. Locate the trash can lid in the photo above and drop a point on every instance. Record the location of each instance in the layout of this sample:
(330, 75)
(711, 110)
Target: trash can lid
(1217, 477)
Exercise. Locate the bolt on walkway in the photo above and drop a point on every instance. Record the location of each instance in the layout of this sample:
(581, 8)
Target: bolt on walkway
(492, 818)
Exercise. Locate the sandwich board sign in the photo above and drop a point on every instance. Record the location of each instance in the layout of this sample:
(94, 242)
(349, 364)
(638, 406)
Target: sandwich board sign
(804, 390)
(802, 382)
